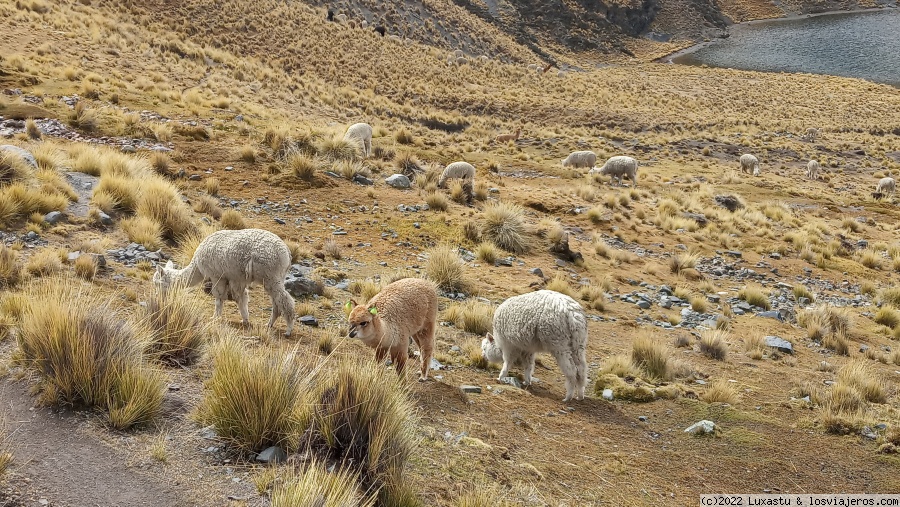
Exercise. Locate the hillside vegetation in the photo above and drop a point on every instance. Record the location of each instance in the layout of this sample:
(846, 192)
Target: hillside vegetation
(155, 123)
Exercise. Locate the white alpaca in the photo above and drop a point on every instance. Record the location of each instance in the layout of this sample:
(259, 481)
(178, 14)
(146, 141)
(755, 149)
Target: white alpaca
(234, 260)
(541, 321)
(457, 170)
(617, 167)
(749, 163)
(580, 159)
(886, 186)
(360, 133)
(812, 169)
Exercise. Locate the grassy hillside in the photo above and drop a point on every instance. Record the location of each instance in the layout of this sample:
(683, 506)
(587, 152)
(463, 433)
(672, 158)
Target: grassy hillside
(156, 123)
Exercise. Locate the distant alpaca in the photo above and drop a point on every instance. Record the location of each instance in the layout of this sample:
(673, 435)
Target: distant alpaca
(380, 29)
(505, 138)
(361, 134)
(330, 15)
(406, 308)
(234, 260)
(749, 164)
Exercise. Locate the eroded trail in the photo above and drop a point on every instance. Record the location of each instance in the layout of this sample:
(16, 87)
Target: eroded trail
(55, 461)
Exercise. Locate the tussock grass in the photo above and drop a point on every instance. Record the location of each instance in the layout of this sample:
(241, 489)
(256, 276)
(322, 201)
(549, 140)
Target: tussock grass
(365, 289)
(83, 117)
(699, 304)
(403, 136)
(314, 486)
(302, 165)
(721, 391)
(446, 268)
(212, 186)
(248, 154)
(862, 377)
(829, 324)
(232, 220)
(143, 231)
(178, 327)
(10, 268)
(116, 192)
(487, 252)
(713, 344)
(161, 164)
(652, 357)
(332, 249)
(6, 456)
(800, 291)
(504, 225)
(437, 201)
(361, 416)
(256, 398)
(13, 168)
(161, 202)
(85, 356)
(471, 316)
(889, 296)
(887, 316)
(86, 267)
(208, 205)
(44, 262)
(755, 296)
(620, 366)
(473, 356)
(336, 148)
(298, 252)
(560, 284)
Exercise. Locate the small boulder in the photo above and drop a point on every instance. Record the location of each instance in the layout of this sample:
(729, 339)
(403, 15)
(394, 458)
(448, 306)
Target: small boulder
(703, 427)
(398, 181)
(54, 217)
(309, 320)
(470, 389)
(22, 153)
(362, 180)
(608, 394)
(272, 454)
(779, 344)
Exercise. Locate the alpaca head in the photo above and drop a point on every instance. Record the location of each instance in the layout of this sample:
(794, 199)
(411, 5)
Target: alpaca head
(163, 277)
(363, 321)
(490, 350)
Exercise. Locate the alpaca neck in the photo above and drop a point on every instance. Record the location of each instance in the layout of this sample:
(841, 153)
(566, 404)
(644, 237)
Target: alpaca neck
(188, 276)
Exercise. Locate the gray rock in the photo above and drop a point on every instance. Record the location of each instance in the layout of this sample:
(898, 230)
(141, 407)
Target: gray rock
(608, 394)
(644, 305)
(299, 286)
(54, 217)
(734, 253)
(503, 262)
(436, 365)
(713, 298)
(127, 148)
(537, 272)
(470, 389)
(665, 290)
(398, 181)
(779, 344)
(309, 320)
(771, 314)
(803, 301)
(22, 153)
(73, 256)
(643, 418)
(362, 180)
(703, 427)
(273, 454)
(513, 381)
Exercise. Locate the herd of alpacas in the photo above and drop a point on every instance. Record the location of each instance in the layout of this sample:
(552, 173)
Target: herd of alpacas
(406, 310)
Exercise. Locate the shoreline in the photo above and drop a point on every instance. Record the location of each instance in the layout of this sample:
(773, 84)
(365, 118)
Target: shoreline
(668, 58)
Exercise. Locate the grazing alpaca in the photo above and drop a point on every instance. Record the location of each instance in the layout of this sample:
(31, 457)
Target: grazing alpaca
(406, 308)
(505, 138)
(233, 260)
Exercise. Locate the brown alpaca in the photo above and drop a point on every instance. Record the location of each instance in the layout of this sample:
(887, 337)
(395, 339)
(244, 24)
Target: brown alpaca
(504, 138)
(406, 308)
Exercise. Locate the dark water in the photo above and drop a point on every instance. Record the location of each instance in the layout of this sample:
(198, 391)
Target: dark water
(863, 44)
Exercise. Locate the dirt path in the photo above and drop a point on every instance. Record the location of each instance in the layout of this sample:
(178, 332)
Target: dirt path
(57, 463)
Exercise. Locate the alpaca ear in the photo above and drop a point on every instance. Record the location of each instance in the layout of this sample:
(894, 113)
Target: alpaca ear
(169, 265)
(373, 310)
(490, 337)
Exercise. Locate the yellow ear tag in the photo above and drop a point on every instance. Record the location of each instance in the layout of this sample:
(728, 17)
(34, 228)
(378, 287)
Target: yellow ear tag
(373, 311)
(349, 305)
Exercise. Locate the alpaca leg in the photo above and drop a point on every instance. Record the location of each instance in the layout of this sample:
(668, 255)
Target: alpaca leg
(368, 147)
(398, 357)
(282, 305)
(219, 290)
(507, 361)
(425, 341)
(580, 373)
(243, 300)
(567, 365)
(529, 368)
(380, 354)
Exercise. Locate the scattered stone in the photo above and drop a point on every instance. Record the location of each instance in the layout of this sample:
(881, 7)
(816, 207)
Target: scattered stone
(561, 249)
(734, 253)
(608, 394)
(644, 305)
(127, 148)
(362, 180)
(436, 365)
(470, 389)
(703, 427)
(309, 320)
(697, 217)
(54, 217)
(729, 202)
(73, 256)
(803, 301)
(272, 454)
(537, 272)
(779, 344)
(104, 218)
(280, 221)
(398, 181)
(299, 286)
(513, 381)
(643, 418)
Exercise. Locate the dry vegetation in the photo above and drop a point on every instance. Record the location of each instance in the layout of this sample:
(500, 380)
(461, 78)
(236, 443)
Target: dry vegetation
(253, 145)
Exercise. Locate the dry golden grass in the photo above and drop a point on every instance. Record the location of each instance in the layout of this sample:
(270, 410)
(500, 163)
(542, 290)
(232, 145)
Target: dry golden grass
(445, 268)
(714, 344)
(314, 486)
(86, 267)
(755, 296)
(887, 316)
(721, 391)
(302, 166)
(504, 225)
(44, 262)
(332, 250)
(862, 377)
(471, 316)
(651, 356)
(437, 201)
(84, 355)
(232, 220)
(177, 327)
(10, 268)
(561, 285)
(143, 231)
(13, 168)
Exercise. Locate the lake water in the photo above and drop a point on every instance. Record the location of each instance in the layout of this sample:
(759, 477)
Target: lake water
(862, 44)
